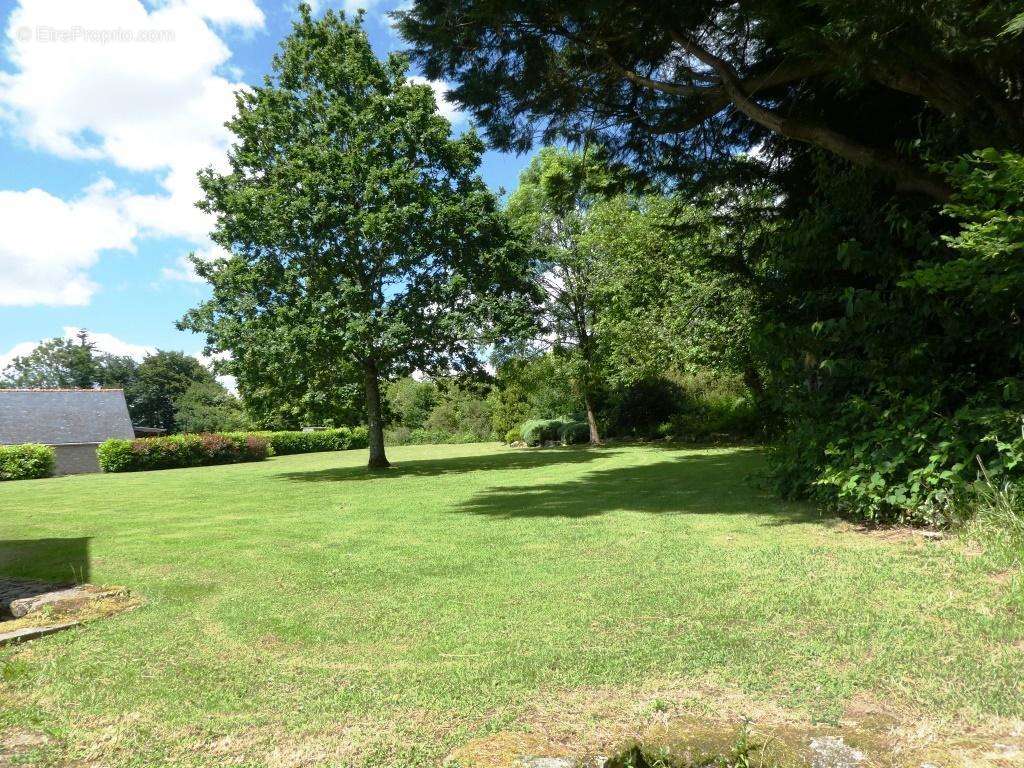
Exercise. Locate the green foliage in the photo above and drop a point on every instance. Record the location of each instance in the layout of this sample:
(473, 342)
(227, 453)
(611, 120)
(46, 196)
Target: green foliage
(897, 372)
(539, 431)
(26, 462)
(176, 451)
(352, 215)
(206, 406)
(672, 286)
(574, 433)
(406, 436)
(289, 442)
(61, 363)
(162, 378)
(410, 401)
(514, 435)
(536, 387)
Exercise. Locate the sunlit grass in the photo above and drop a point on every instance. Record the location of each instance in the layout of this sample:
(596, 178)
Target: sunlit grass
(387, 617)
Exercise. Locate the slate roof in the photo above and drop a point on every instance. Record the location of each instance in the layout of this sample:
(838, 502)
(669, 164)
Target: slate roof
(63, 416)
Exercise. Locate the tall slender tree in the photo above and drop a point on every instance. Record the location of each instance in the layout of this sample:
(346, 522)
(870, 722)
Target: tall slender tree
(360, 233)
(551, 206)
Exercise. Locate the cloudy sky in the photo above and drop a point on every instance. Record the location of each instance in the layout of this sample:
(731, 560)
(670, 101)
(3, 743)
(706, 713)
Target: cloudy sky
(107, 110)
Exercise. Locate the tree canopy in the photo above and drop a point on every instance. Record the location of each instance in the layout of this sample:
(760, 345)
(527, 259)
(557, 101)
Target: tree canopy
(361, 237)
(678, 86)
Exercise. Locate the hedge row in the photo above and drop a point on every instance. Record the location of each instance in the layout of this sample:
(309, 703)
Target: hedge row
(566, 431)
(26, 462)
(340, 439)
(406, 436)
(177, 451)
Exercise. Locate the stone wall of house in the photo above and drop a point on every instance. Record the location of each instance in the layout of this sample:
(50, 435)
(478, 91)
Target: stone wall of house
(76, 459)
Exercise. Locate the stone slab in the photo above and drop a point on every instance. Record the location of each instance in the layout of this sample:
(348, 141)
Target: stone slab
(31, 633)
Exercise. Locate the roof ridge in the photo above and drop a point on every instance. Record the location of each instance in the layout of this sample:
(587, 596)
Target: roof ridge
(59, 389)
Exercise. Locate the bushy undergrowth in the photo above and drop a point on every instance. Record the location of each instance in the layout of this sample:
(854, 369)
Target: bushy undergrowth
(291, 442)
(176, 451)
(566, 430)
(889, 459)
(26, 462)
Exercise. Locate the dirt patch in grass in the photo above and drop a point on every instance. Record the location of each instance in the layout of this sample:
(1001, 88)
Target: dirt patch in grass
(18, 744)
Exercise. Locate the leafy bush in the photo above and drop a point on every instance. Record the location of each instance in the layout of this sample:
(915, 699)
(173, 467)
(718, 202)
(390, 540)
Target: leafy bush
(26, 462)
(514, 435)
(899, 458)
(291, 442)
(734, 419)
(178, 451)
(575, 432)
(405, 436)
(538, 431)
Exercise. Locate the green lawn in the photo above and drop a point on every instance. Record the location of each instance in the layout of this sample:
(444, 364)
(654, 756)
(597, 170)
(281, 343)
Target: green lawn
(302, 611)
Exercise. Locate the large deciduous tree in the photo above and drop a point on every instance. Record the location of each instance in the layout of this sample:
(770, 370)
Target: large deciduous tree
(361, 237)
(678, 83)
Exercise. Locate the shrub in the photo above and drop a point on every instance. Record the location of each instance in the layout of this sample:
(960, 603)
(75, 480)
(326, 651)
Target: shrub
(514, 435)
(732, 418)
(26, 462)
(178, 451)
(291, 442)
(575, 432)
(405, 436)
(540, 431)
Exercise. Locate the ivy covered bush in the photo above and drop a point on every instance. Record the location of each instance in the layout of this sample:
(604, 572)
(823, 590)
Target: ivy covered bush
(178, 451)
(26, 462)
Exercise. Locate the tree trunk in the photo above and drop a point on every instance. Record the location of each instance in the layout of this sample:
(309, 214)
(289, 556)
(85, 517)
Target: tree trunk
(752, 378)
(373, 417)
(595, 438)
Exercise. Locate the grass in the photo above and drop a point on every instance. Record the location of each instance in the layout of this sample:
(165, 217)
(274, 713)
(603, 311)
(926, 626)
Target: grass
(304, 611)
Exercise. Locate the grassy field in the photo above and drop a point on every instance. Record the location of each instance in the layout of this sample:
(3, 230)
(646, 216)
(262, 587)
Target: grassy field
(302, 611)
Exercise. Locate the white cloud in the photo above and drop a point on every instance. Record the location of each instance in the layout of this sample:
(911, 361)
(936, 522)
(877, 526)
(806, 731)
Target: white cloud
(49, 244)
(107, 342)
(445, 106)
(185, 271)
(18, 350)
(151, 105)
(243, 13)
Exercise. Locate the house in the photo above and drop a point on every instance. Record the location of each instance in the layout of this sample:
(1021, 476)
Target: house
(73, 421)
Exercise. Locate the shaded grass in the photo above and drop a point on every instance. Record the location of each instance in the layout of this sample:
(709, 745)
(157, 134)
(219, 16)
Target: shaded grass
(393, 615)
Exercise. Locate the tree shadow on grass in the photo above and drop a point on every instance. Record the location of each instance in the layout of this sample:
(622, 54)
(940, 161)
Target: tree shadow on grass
(693, 484)
(51, 560)
(521, 459)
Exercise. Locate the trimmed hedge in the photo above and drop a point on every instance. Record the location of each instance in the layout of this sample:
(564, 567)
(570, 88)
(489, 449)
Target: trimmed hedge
(178, 451)
(406, 436)
(339, 439)
(26, 462)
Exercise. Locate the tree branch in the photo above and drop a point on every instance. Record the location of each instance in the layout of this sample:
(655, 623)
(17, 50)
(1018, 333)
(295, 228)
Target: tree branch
(907, 177)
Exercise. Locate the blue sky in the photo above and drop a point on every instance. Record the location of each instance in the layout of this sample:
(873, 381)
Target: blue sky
(107, 109)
